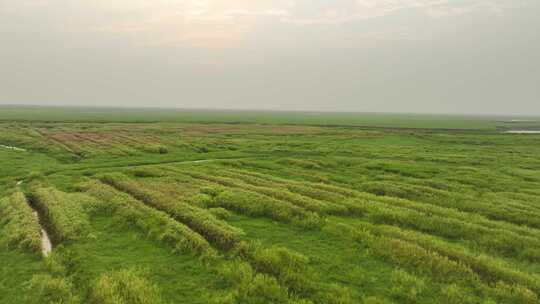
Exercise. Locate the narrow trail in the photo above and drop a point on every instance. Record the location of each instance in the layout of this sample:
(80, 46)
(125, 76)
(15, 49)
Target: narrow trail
(46, 245)
(138, 165)
(13, 148)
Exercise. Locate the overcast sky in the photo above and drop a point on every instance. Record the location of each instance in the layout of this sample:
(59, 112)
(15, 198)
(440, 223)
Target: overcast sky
(435, 56)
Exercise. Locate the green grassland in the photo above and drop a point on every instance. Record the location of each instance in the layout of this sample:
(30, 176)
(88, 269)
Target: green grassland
(150, 206)
(375, 120)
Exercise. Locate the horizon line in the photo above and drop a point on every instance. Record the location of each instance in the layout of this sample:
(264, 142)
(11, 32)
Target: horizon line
(194, 109)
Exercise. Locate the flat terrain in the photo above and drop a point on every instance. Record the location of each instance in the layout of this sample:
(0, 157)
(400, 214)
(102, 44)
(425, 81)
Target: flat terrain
(371, 120)
(246, 207)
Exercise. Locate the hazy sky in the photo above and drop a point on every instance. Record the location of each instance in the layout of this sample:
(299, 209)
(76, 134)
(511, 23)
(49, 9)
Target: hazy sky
(449, 56)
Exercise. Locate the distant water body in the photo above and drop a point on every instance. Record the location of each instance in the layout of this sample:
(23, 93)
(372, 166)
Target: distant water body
(522, 132)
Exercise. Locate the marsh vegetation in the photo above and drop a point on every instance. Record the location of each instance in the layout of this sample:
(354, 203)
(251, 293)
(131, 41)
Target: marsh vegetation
(181, 212)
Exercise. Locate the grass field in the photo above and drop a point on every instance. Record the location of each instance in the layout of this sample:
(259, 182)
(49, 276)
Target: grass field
(153, 206)
(374, 120)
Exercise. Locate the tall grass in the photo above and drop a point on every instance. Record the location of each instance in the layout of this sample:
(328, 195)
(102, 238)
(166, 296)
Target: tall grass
(496, 241)
(156, 224)
(248, 286)
(290, 268)
(422, 260)
(63, 213)
(490, 269)
(254, 204)
(406, 287)
(54, 286)
(19, 224)
(493, 236)
(51, 289)
(444, 206)
(509, 211)
(200, 220)
(126, 286)
(275, 193)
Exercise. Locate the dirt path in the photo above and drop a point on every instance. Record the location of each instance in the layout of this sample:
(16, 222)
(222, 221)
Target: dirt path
(138, 165)
(46, 245)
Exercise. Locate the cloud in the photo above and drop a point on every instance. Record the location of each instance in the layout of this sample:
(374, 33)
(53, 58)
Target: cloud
(205, 24)
(218, 24)
(369, 9)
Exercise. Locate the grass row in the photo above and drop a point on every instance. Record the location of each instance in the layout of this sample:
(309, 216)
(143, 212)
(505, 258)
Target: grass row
(496, 241)
(55, 285)
(20, 226)
(258, 205)
(198, 219)
(490, 209)
(509, 211)
(157, 224)
(126, 286)
(493, 236)
(426, 262)
(235, 181)
(488, 268)
(120, 265)
(63, 213)
(277, 275)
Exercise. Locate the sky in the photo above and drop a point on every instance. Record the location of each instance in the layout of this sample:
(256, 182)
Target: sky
(422, 56)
